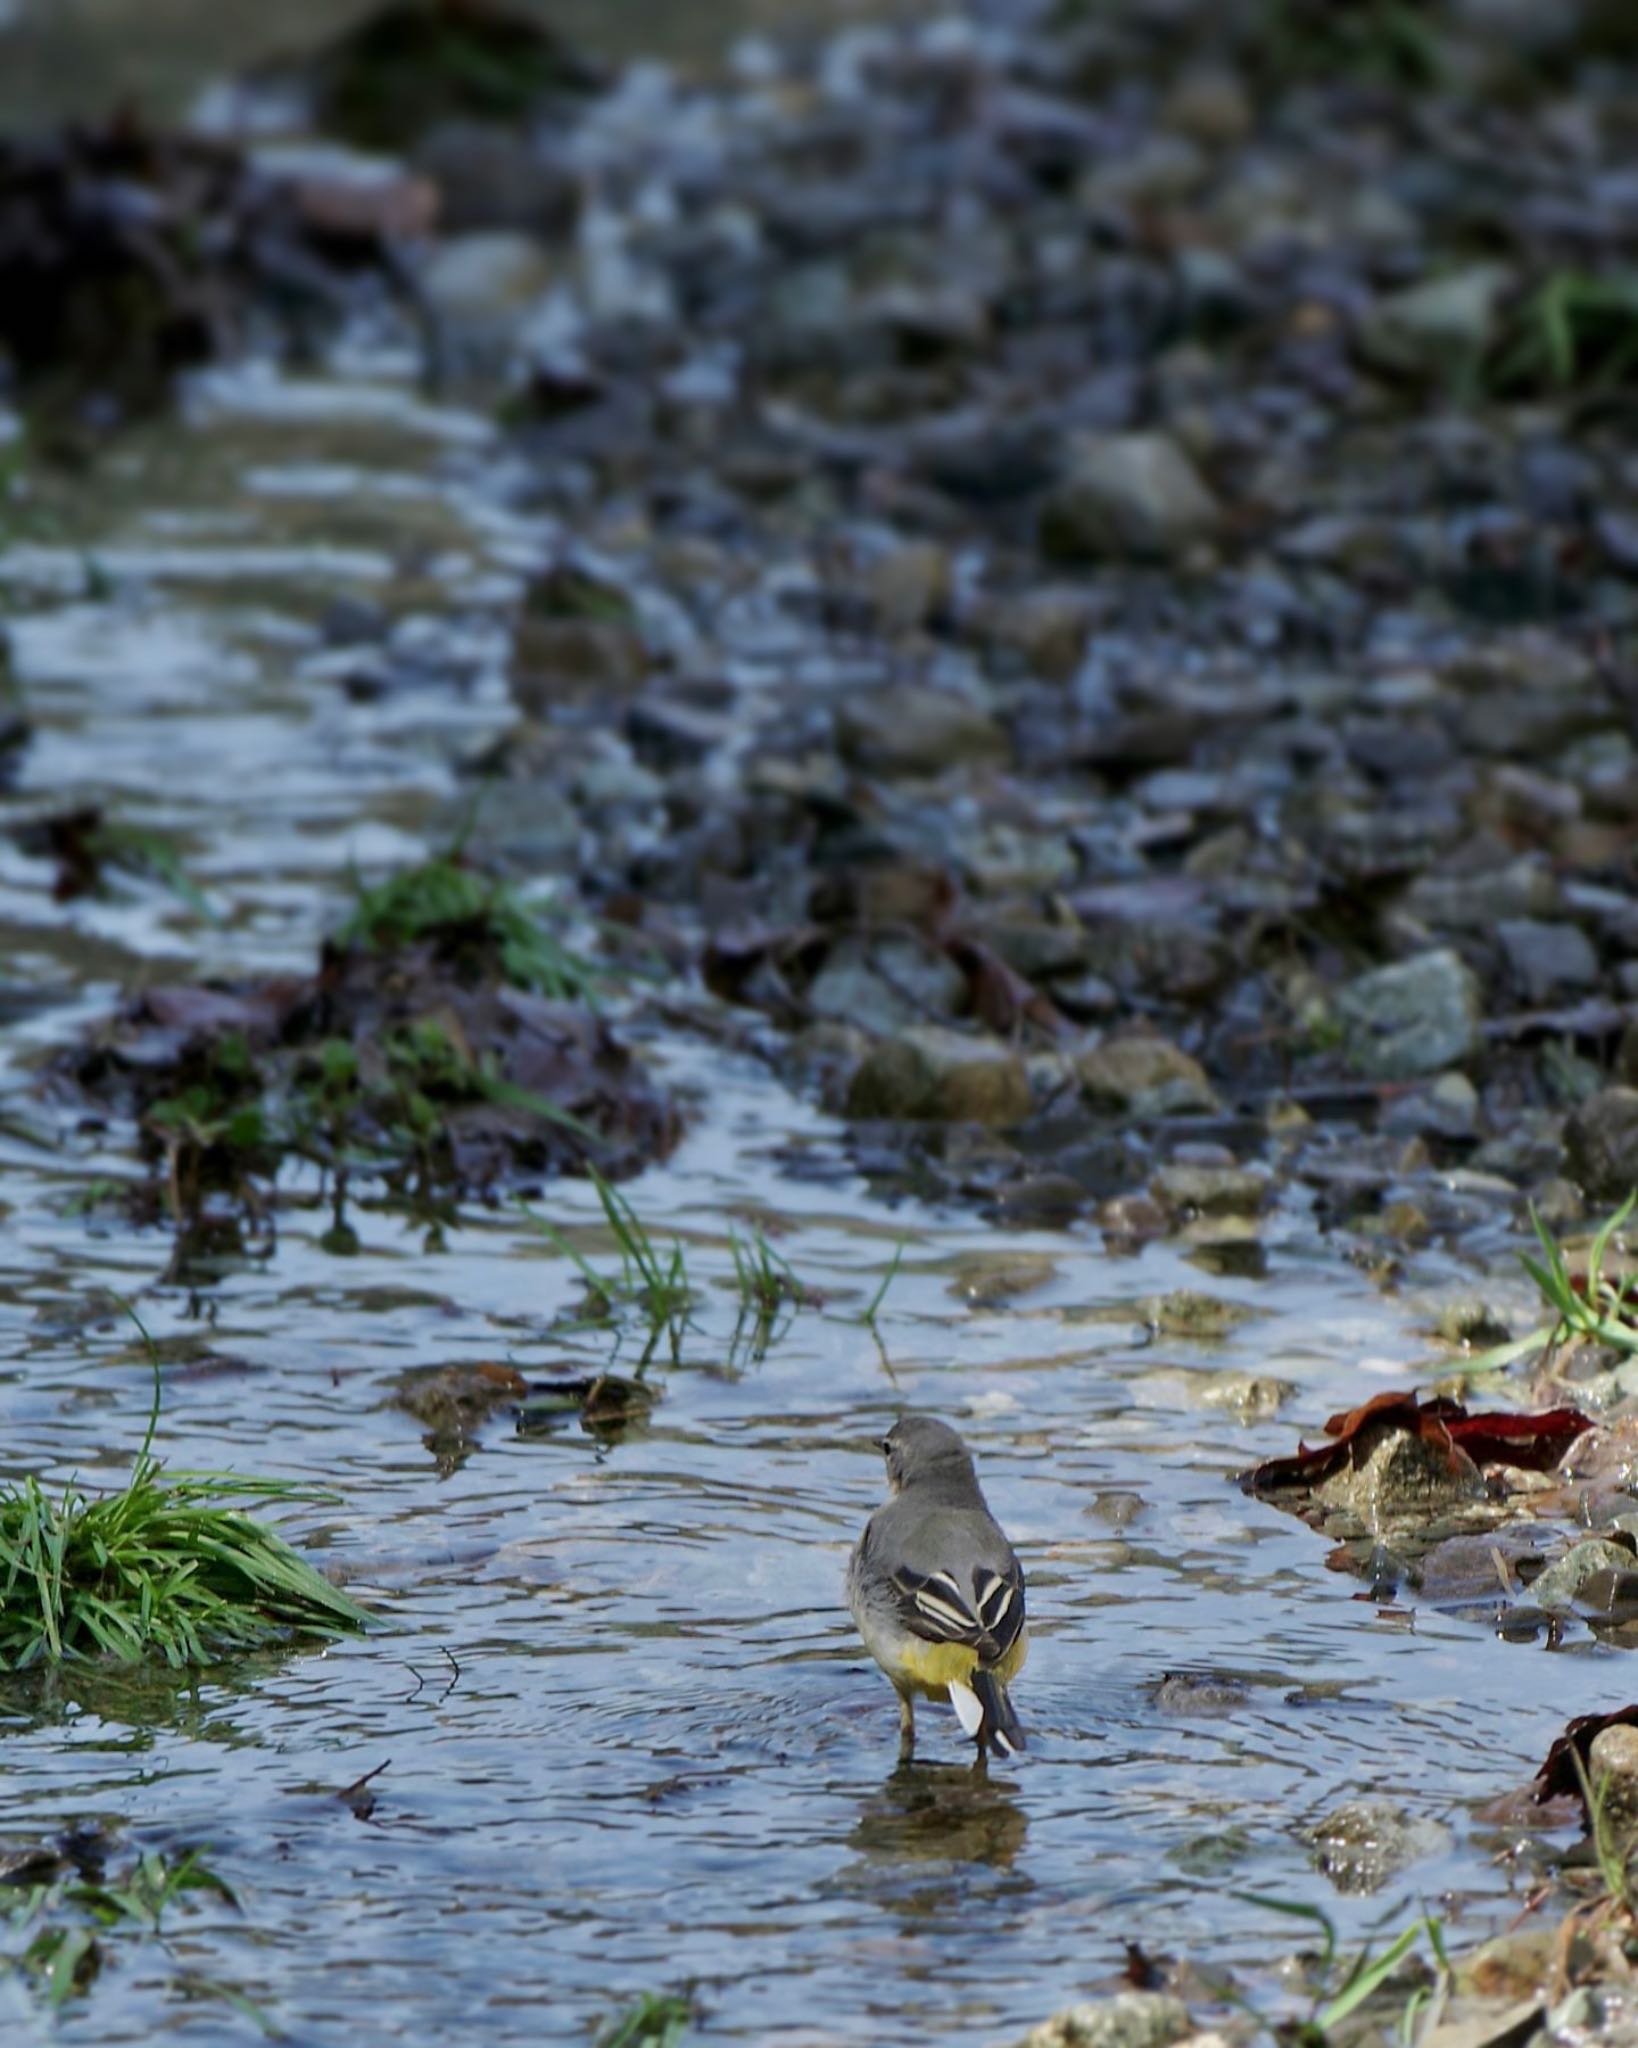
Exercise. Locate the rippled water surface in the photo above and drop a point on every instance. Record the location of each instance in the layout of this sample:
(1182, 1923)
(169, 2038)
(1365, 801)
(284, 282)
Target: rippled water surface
(626, 1739)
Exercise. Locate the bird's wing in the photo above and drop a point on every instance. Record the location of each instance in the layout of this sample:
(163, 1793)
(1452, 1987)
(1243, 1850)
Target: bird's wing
(987, 1613)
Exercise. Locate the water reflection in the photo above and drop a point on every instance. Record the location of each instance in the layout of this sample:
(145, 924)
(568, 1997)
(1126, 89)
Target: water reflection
(937, 1847)
(951, 1814)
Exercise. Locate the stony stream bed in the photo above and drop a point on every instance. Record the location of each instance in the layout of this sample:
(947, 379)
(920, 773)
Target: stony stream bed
(1041, 613)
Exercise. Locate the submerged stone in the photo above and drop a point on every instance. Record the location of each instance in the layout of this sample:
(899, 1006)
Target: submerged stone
(1364, 1842)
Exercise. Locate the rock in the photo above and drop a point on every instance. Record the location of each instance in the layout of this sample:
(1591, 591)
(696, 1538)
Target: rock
(1412, 1018)
(486, 275)
(886, 985)
(1146, 1077)
(1447, 1109)
(1473, 1322)
(489, 177)
(1601, 1144)
(1613, 1761)
(1564, 1581)
(1364, 1842)
(1133, 495)
(1211, 1190)
(912, 729)
(1547, 961)
(908, 586)
(1131, 1219)
(1402, 1479)
(991, 1279)
(1210, 105)
(1199, 1318)
(1525, 887)
(1251, 1396)
(930, 1072)
(559, 661)
(1427, 329)
(1047, 628)
(1131, 2019)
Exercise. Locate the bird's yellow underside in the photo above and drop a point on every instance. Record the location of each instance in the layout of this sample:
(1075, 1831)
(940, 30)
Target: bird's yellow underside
(932, 1668)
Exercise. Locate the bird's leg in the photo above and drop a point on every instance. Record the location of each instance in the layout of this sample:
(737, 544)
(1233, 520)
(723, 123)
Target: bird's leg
(907, 1728)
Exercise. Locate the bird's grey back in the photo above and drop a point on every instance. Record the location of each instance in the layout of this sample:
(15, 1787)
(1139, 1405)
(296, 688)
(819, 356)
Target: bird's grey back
(928, 1526)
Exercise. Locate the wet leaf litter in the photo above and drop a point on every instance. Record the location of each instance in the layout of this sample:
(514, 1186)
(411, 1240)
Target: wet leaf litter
(1123, 825)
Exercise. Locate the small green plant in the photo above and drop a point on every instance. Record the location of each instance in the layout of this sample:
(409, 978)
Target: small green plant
(873, 1307)
(656, 1285)
(425, 1062)
(1596, 1309)
(61, 1925)
(445, 900)
(768, 1289)
(139, 851)
(1390, 43)
(1367, 1973)
(1574, 332)
(161, 1568)
(1612, 1850)
(656, 2020)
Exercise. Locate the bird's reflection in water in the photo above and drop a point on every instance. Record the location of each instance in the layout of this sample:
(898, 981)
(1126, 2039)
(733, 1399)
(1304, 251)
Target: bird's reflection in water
(935, 1840)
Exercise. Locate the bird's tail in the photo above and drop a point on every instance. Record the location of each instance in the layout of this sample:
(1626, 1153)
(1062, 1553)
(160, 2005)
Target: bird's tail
(998, 1727)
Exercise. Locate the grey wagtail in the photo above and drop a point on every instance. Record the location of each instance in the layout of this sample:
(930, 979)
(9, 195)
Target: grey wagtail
(935, 1589)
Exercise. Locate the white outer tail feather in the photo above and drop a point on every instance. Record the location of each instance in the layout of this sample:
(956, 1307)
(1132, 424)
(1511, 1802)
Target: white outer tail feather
(968, 1711)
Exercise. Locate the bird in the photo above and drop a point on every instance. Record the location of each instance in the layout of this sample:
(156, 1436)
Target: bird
(936, 1592)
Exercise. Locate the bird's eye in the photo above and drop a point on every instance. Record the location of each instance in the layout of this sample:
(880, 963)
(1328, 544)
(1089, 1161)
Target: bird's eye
(885, 1448)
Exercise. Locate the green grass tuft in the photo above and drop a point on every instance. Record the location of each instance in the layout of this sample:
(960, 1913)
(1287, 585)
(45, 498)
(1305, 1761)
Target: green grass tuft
(652, 1283)
(443, 897)
(656, 2020)
(164, 1568)
(1595, 1308)
(1575, 332)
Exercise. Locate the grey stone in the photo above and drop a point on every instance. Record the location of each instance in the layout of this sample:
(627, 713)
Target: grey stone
(1128, 494)
(1547, 960)
(1413, 1018)
(1601, 1144)
(1131, 2019)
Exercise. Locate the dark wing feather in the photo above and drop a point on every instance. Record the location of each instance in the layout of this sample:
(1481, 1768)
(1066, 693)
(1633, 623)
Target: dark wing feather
(934, 1606)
